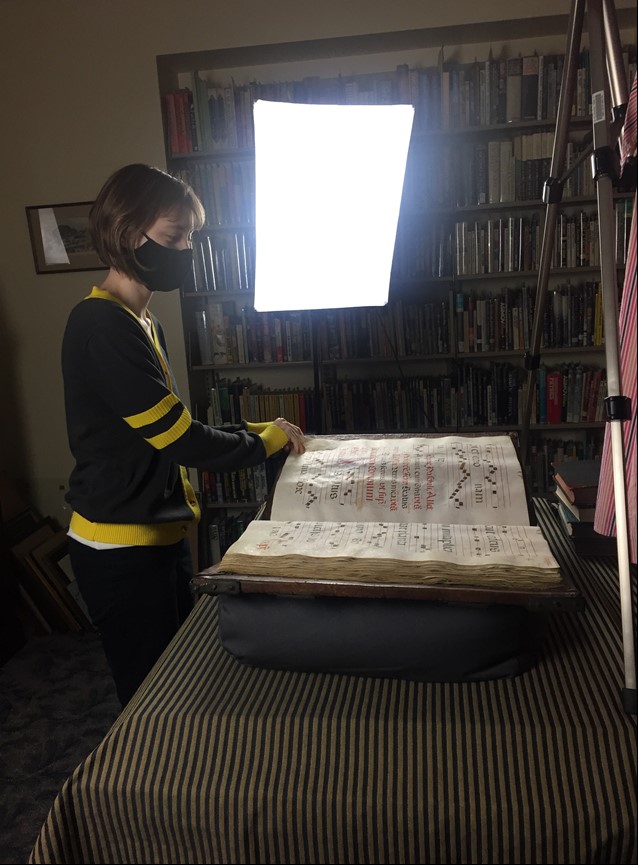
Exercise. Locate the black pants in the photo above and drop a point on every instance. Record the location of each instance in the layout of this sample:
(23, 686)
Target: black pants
(137, 597)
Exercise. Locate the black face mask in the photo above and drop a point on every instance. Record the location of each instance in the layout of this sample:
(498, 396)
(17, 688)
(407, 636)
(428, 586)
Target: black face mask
(162, 269)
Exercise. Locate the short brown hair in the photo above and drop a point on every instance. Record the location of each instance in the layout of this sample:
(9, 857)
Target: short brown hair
(130, 201)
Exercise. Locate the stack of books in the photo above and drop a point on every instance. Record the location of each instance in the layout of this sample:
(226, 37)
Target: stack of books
(576, 490)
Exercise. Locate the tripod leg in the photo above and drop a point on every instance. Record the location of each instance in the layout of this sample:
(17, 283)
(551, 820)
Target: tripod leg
(552, 196)
(617, 409)
(615, 68)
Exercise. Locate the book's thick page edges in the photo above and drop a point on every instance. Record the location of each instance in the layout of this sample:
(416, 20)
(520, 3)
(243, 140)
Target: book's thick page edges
(491, 556)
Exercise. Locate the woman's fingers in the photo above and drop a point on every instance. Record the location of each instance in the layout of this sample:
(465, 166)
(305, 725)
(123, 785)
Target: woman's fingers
(295, 435)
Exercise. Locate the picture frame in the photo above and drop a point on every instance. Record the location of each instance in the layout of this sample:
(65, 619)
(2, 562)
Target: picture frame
(51, 556)
(17, 528)
(60, 238)
(41, 595)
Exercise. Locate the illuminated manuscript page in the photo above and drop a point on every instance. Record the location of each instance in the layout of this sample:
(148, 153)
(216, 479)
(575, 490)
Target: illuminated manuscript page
(448, 479)
(395, 552)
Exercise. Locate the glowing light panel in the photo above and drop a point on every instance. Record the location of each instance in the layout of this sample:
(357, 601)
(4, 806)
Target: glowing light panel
(329, 180)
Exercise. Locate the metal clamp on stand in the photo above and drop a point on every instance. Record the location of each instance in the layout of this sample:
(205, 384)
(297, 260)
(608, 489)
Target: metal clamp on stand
(212, 584)
(618, 407)
(553, 190)
(532, 361)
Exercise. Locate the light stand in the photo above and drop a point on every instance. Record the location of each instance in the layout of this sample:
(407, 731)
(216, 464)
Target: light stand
(609, 103)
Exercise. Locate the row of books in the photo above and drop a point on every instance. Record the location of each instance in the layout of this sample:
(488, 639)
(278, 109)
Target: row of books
(491, 397)
(502, 321)
(225, 336)
(401, 329)
(574, 393)
(224, 261)
(513, 243)
(231, 401)
(210, 116)
(476, 397)
(207, 117)
(226, 188)
(502, 170)
(249, 485)
(574, 316)
(473, 323)
(508, 244)
(505, 170)
(421, 403)
(222, 530)
(571, 393)
(496, 91)
(498, 171)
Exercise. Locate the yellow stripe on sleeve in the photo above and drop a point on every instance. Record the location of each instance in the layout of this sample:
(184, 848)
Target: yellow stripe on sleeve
(178, 429)
(257, 427)
(158, 411)
(274, 439)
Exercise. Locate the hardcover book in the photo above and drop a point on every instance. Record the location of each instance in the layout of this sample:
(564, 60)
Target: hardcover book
(578, 479)
(579, 514)
(446, 510)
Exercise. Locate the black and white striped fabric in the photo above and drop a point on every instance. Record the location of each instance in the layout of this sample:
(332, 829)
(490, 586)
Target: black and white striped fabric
(217, 762)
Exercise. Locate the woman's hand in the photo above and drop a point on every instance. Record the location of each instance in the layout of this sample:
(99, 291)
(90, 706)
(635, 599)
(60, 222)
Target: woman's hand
(296, 438)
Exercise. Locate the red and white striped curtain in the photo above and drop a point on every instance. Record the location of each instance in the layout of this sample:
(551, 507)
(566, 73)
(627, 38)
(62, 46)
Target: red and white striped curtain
(605, 518)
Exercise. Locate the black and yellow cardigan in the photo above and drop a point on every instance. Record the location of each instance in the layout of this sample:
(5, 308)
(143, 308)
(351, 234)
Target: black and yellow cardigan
(131, 435)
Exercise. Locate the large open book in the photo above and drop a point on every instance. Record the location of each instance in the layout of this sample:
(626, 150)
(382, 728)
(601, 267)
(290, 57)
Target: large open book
(413, 511)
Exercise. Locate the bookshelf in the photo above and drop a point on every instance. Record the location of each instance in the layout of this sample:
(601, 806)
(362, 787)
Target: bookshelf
(446, 354)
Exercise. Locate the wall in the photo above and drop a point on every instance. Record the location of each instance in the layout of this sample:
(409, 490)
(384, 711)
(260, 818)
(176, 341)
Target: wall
(79, 96)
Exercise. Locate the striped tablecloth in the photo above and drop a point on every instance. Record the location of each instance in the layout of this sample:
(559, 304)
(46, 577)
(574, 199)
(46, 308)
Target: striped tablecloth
(216, 762)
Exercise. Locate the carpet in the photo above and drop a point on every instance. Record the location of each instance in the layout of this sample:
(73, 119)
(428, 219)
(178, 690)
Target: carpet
(57, 701)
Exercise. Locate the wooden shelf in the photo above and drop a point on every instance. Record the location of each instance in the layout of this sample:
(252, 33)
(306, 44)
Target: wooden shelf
(579, 201)
(228, 191)
(220, 367)
(375, 43)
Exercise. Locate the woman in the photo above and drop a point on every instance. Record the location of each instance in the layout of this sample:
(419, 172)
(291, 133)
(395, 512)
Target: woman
(129, 432)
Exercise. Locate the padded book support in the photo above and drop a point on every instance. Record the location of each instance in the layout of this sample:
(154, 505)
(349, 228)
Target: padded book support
(427, 634)
(415, 640)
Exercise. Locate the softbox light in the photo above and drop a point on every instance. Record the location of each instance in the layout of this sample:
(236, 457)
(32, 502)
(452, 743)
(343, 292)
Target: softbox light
(329, 180)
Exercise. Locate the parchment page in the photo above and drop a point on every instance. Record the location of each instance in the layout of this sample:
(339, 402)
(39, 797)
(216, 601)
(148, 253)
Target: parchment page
(448, 479)
(520, 547)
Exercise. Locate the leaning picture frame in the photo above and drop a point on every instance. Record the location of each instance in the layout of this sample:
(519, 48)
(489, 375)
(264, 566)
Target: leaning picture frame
(51, 557)
(41, 594)
(60, 238)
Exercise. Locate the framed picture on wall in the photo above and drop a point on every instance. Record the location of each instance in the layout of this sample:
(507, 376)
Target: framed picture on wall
(60, 238)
